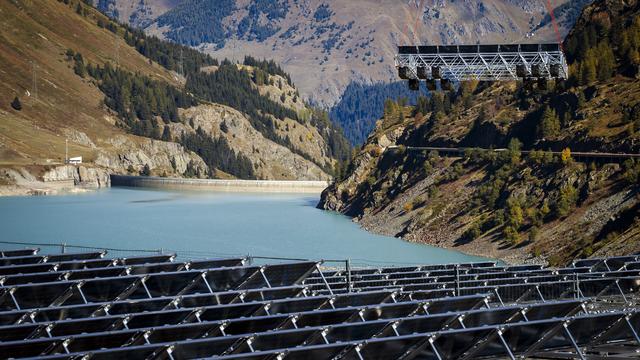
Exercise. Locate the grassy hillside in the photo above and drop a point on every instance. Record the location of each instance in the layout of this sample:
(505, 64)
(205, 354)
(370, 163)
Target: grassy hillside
(505, 204)
(115, 94)
(33, 38)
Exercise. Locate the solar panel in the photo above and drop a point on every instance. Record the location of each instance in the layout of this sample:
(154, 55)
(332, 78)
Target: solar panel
(152, 307)
(18, 252)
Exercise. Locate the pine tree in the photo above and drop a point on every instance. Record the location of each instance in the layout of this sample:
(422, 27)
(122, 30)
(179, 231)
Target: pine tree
(549, 123)
(166, 134)
(514, 151)
(606, 61)
(589, 72)
(16, 104)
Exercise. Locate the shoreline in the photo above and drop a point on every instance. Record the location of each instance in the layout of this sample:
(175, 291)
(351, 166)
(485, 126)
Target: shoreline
(512, 259)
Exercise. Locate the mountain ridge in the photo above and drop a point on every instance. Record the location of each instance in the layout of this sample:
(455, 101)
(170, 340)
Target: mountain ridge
(336, 38)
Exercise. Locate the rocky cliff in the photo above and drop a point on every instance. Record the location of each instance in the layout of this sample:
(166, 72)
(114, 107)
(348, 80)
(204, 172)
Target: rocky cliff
(271, 161)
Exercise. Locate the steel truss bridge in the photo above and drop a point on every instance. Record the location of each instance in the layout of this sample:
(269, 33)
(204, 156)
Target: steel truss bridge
(480, 62)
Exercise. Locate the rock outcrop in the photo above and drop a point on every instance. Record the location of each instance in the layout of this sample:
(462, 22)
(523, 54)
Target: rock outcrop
(125, 152)
(53, 180)
(90, 177)
(271, 161)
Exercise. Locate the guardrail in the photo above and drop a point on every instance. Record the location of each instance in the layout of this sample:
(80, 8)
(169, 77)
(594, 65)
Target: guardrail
(576, 155)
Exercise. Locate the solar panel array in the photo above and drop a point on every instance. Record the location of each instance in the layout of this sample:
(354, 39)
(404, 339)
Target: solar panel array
(87, 306)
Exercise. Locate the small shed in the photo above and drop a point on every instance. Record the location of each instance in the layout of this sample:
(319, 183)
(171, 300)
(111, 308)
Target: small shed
(75, 160)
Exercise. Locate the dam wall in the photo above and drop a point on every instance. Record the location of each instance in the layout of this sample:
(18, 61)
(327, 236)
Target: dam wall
(282, 186)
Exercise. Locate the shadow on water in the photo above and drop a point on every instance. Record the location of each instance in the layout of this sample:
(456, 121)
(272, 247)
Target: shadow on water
(313, 202)
(153, 200)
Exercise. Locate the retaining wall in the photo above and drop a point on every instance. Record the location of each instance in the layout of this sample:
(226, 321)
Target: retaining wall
(283, 186)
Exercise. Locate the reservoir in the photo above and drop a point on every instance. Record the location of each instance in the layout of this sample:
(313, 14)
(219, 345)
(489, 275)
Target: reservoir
(206, 224)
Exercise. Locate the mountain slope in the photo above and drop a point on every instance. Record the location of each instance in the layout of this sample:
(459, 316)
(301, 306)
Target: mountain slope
(68, 48)
(540, 206)
(327, 44)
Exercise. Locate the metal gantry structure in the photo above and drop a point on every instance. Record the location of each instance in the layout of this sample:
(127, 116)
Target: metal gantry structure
(454, 63)
(87, 306)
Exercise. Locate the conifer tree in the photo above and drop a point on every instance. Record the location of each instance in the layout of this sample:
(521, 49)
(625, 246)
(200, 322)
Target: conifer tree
(166, 134)
(606, 61)
(589, 71)
(549, 124)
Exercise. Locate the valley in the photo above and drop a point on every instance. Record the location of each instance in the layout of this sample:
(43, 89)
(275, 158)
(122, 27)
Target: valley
(334, 48)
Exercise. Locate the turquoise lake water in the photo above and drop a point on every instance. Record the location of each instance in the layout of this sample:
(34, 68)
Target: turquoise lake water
(218, 224)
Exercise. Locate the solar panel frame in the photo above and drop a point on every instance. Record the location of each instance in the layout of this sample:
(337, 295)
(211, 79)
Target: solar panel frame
(377, 325)
(18, 252)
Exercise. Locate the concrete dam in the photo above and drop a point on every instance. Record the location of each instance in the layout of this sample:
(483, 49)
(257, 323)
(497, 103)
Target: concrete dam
(283, 186)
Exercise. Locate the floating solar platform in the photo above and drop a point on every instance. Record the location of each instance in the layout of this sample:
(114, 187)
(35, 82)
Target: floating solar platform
(89, 306)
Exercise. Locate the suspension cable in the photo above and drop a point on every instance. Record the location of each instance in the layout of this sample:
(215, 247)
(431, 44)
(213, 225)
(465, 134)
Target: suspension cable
(554, 23)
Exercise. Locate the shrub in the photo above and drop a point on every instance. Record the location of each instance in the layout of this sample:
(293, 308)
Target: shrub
(535, 216)
(146, 171)
(512, 235)
(537, 251)
(16, 104)
(407, 207)
(545, 209)
(566, 200)
(533, 233)
(566, 156)
(631, 172)
(548, 158)
(427, 167)
(536, 156)
(473, 232)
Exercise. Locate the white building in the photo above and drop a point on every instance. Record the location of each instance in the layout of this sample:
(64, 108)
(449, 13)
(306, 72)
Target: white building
(75, 160)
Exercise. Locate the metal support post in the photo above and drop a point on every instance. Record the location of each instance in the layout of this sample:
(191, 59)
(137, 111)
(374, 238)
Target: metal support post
(573, 341)
(633, 331)
(506, 346)
(348, 269)
(433, 347)
(326, 283)
(457, 279)
(264, 276)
